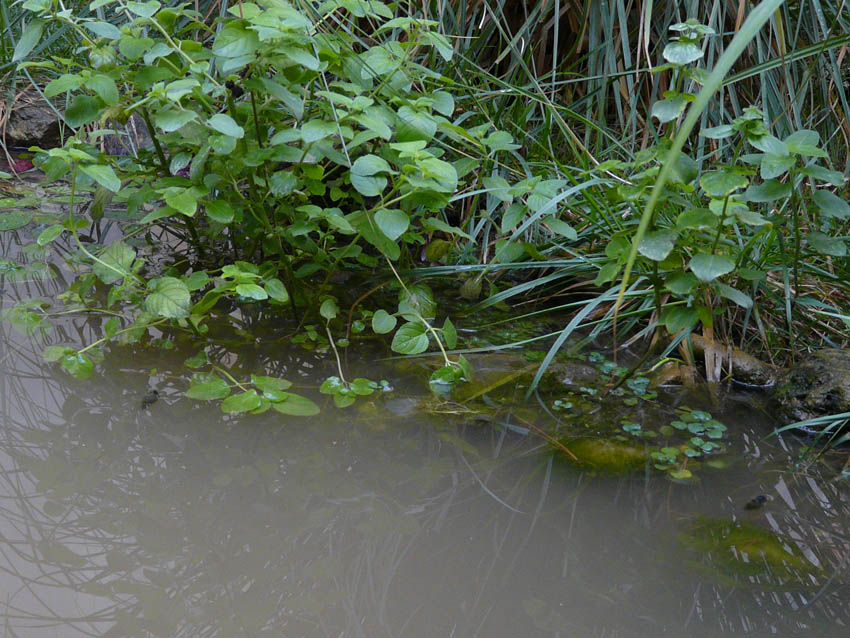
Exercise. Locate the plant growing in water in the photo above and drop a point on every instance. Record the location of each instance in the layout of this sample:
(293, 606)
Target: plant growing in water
(283, 152)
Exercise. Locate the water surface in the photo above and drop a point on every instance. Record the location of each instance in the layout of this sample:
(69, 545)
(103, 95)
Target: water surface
(379, 520)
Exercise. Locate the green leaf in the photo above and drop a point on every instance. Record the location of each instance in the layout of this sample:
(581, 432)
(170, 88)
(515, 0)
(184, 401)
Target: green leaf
(270, 384)
(115, 262)
(435, 223)
(366, 165)
(710, 267)
(226, 125)
(835, 178)
(682, 53)
(416, 301)
(680, 474)
(776, 165)
(383, 322)
(768, 191)
(449, 334)
(678, 318)
(657, 245)
(211, 390)
(77, 365)
(830, 205)
(62, 84)
(235, 40)
(105, 88)
(498, 187)
(83, 110)
(371, 186)
(276, 290)
(28, 40)
(415, 125)
(827, 245)
(103, 175)
(315, 130)
(697, 219)
(411, 338)
(49, 234)
(363, 387)
(219, 211)
(721, 183)
(184, 202)
(171, 119)
(167, 297)
(54, 353)
(668, 110)
(770, 145)
(251, 291)
(329, 309)
(733, 294)
(12, 220)
(295, 405)
(560, 228)
(717, 132)
(144, 9)
(283, 183)
(805, 142)
(392, 222)
(242, 402)
(681, 283)
(197, 360)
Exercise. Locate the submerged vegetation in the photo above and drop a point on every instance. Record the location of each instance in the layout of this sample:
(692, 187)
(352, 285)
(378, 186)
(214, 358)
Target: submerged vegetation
(357, 169)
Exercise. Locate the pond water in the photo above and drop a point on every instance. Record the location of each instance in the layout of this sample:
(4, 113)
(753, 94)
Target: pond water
(383, 519)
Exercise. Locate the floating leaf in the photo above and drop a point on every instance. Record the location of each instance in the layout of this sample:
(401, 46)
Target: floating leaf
(216, 388)
(242, 402)
(295, 405)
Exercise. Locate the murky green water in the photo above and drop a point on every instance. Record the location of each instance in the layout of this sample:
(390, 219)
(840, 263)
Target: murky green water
(177, 520)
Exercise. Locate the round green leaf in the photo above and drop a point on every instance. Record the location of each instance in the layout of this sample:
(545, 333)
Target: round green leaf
(383, 322)
(329, 309)
(710, 267)
(682, 53)
(225, 125)
(657, 245)
(83, 110)
(411, 338)
(251, 291)
(167, 297)
(722, 183)
(392, 222)
(276, 290)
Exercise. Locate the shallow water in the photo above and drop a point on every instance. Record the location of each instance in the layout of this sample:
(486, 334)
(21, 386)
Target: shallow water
(176, 520)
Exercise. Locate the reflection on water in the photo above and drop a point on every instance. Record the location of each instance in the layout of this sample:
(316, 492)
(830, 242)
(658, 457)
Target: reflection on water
(175, 520)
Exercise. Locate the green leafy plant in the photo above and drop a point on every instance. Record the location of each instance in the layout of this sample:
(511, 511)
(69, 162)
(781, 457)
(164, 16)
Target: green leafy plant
(283, 151)
(675, 457)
